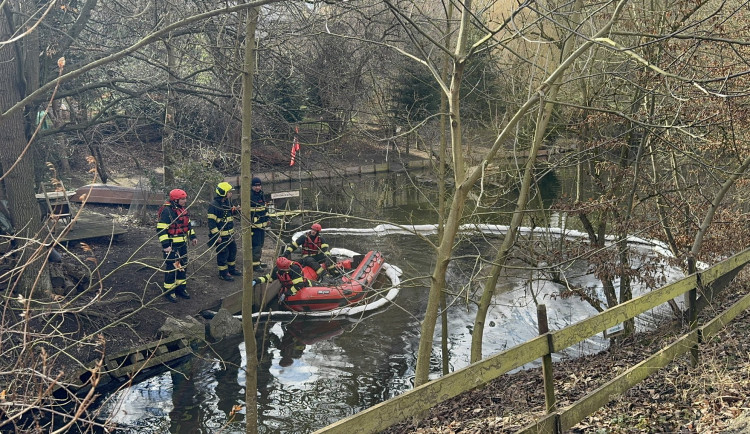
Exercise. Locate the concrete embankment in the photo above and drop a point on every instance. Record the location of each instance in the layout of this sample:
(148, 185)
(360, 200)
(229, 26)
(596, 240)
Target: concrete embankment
(292, 175)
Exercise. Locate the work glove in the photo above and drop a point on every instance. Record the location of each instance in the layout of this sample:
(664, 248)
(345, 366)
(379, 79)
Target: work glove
(254, 283)
(282, 297)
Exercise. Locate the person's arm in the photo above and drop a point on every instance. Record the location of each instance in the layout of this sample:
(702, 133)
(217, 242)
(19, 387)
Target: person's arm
(293, 246)
(235, 208)
(191, 233)
(165, 219)
(298, 279)
(324, 246)
(213, 225)
(259, 215)
(268, 277)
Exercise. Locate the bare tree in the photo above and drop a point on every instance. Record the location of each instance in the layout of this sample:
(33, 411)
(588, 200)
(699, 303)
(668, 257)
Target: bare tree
(248, 328)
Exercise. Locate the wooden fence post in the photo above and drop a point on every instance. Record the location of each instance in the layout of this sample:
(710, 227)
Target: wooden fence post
(693, 308)
(549, 380)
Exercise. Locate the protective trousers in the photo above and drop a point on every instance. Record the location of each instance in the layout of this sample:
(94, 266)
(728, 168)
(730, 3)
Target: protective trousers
(259, 237)
(175, 277)
(319, 262)
(226, 253)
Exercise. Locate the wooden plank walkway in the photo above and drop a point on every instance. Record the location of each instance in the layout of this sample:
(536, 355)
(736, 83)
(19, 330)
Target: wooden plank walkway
(88, 227)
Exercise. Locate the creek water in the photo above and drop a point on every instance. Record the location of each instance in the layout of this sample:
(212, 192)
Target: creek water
(315, 372)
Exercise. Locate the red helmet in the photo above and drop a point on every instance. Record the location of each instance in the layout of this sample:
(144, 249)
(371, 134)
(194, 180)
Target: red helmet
(283, 263)
(177, 194)
(316, 227)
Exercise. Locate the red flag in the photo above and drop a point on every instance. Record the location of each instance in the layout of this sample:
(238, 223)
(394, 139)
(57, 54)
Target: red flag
(295, 148)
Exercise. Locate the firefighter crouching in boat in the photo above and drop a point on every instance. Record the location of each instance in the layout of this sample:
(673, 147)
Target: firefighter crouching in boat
(174, 231)
(315, 252)
(220, 218)
(289, 274)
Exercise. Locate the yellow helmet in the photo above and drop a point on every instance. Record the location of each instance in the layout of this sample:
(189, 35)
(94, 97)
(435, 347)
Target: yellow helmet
(223, 188)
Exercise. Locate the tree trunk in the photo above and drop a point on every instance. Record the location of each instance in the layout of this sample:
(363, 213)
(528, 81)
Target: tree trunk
(545, 112)
(445, 248)
(101, 170)
(17, 164)
(167, 138)
(60, 144)
(251, 353)
(441, 183)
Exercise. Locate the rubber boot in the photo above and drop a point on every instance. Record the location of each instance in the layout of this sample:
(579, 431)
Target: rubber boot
(182, 292)
(170, 297)
(224, 275)
(234, 271)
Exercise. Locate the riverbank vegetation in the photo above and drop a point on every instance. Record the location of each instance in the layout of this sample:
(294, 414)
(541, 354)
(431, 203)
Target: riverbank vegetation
(645, 100)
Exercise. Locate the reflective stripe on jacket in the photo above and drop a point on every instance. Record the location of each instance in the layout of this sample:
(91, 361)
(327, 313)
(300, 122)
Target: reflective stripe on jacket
(258, 211)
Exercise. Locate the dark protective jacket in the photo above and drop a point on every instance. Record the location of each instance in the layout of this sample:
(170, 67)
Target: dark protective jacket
(258, 210)
(220, 217)
(173, 227)
(310, 245)
(291, 280)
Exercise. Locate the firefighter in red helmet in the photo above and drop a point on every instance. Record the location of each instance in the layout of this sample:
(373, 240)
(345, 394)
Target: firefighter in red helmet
(289, 274)
(315, 251)
(174, 232)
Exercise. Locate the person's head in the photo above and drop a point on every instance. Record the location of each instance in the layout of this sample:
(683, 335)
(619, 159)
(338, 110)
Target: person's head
(315, 229)
(283, 264)
(224, 189)
(256, 184)
(178, 197)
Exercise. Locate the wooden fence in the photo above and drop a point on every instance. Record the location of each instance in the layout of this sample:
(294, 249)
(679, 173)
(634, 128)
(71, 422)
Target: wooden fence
(417, 401)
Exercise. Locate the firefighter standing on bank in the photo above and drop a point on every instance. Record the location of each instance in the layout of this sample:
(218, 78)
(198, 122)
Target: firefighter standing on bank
(220, 217)
(174, 232)
(260, 221)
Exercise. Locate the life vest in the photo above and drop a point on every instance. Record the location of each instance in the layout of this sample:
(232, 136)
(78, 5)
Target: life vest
(181, 224)
(311, 246)
(285, 277)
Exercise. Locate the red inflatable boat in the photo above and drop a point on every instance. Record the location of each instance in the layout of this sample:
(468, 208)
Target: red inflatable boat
(351, 287)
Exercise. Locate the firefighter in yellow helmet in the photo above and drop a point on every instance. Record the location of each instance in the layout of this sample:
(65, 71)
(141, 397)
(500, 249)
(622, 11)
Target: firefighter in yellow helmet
(220, 216)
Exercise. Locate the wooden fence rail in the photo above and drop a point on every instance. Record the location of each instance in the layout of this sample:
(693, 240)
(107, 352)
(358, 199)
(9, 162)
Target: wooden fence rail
(420, 399)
